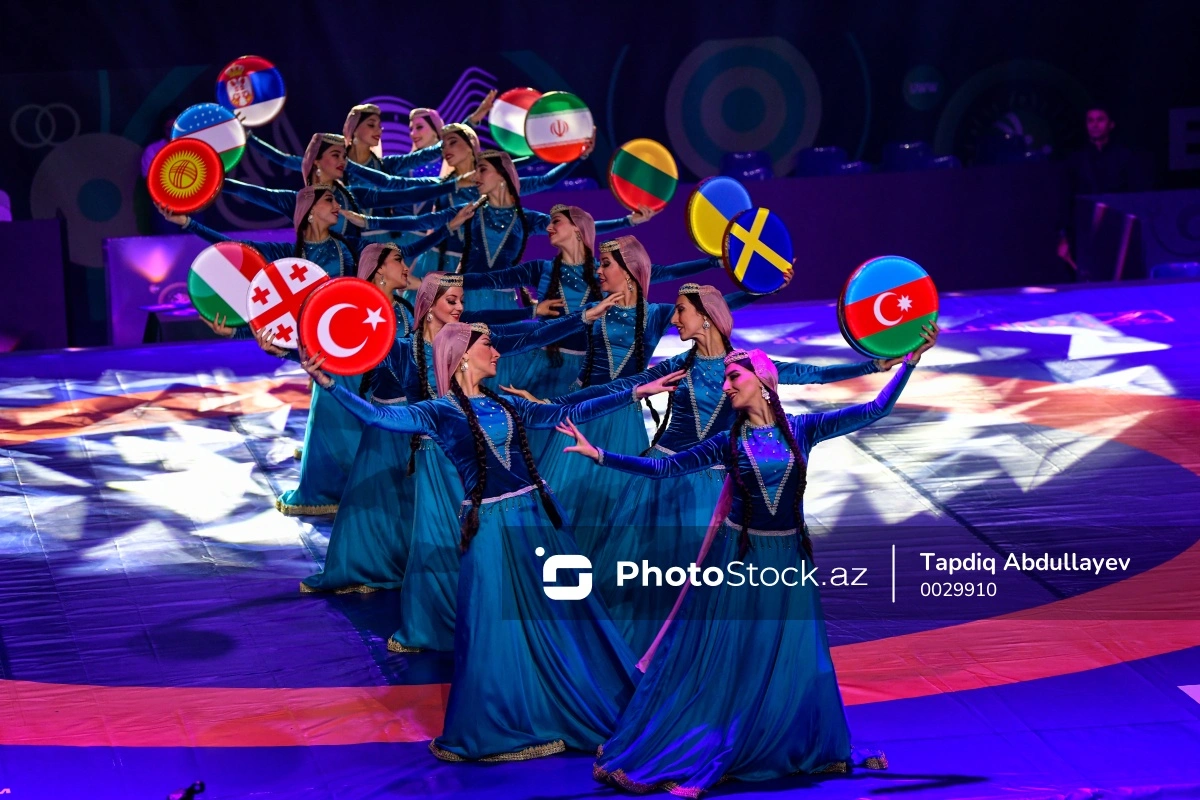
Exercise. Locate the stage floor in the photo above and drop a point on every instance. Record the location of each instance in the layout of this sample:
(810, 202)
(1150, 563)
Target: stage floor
(152, 634)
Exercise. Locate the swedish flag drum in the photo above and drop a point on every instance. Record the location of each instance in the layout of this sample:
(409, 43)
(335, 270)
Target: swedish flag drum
(757, 251)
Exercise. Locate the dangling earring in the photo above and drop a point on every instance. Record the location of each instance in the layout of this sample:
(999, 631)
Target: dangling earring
(766, 395)
(578, 238)
(464, 365)
(629, 286)
(310, 217)
(706, 325)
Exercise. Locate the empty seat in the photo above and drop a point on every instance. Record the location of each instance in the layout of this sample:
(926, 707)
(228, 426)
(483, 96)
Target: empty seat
(576, 184)
(813, 162)
(906, 156)
(1185, 269)
(754, 165)
(945, 162)
(855, 168)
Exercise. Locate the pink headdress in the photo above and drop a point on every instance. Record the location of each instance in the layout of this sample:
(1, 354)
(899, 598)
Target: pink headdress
(313, 151)
(368, 262)
(715, 307)
(466, 132)
(506, 164)
(764, 368)
(306, 198)
(431, 114)
(449, 347)
(427, 294)
(357, 115)
(582, 220)
(635, 257)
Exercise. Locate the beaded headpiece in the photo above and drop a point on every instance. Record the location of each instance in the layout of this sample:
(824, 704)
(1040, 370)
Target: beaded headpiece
(356, 116)
(762, 365)
(314, 147)
(306, 198)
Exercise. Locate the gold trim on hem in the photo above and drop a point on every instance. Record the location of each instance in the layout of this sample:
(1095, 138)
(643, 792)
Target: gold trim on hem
(298, 453)
(394, 646)
(357, 588)
(533, 751)
(304, 511)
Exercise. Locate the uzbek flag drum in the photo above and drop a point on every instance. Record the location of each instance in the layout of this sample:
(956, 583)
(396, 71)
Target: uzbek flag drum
(712, 204)
(507, 119)
(215, 125)
(219, 281)
(185, 176)
(558, 127)
(884, 304)
(643, 173)
(757, 251)
(253, 87)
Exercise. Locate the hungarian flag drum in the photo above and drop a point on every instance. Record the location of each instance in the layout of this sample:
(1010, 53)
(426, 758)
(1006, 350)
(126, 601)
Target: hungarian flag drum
(276, 294)
(350, 322)
(885, 303)
(219, 281)
(757, 252)
(558, 127)
(215, 125)
(507, 120)
(712, 204)
(252, 87)
(185, 176)
(643, 173)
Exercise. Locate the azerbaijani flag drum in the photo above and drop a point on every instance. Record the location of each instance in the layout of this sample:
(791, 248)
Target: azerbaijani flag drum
(661, 429)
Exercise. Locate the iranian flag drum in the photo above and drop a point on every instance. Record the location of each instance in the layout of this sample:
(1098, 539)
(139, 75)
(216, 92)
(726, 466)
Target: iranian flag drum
(884, 304)
(558, 127)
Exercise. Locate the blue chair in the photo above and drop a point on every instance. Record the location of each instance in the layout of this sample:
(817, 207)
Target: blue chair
(1185, 269)
(754, 165)
(813, 162)
(945, 162)
(533, 168)
(855, 168)
(576, 184)
(906, 156)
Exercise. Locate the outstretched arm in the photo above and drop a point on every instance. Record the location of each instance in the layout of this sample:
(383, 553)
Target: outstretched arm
(826, 425)
(664, 367)
(273, 154)
(660, 273)
(549, 415)
(271, 251)
(281, 201)
(529, 335)
(401, 162)
(532, 184)
(402, 191)
(713, 450)
(412, 222)
(796, 373)
(415, 418)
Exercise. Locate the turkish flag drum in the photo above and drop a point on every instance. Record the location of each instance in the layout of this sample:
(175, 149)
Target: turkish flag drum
(884, 304)
(351, 323)
(276, 294)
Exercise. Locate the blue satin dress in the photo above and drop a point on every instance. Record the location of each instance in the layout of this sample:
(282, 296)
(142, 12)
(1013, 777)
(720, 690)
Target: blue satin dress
(663, 521)
(532, 676)
(331, 435)
(377, 518)
(742, 684)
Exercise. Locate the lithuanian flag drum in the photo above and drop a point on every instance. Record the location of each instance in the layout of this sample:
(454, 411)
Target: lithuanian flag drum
(253, 87)
(558, 127)
(643, 173)
(712, 204)
(216, 125)
(884, 304)
(219, 281)
(507, 120)
(185, 176)
(757, 252)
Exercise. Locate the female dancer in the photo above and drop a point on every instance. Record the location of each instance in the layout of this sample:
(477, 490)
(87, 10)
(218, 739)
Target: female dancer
(741, 684)
(664, 521)
(363, 131)
(369, 545)
(619, 345)
(331, 436)
(532, 676)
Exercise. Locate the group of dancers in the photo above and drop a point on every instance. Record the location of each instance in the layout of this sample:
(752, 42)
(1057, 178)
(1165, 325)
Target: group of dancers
(497, 434)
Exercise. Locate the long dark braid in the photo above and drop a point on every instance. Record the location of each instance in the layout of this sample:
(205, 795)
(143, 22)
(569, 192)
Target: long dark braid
(785, 428)
(640, 357)
(735, 445)
(470, 525)
(418, 346)
(554, 351)
(527, 455)
(349, 195)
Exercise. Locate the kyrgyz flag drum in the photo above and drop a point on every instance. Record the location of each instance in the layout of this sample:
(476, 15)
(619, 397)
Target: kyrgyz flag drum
(185, 176)
(643, 173)
(558, 127)
(884, 304)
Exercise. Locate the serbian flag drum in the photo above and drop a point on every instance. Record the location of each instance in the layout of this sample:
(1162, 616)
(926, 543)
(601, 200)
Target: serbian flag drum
(558, 127)
(507, 120)
(185, 176)
(219, 281)
(350, 322)
(643, 173)
(885, 303)
(215, 125)
(276, 294)
(252, 87)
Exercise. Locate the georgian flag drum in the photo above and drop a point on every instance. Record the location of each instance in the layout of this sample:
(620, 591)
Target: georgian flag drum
(507, 119)
(351, 323)
(558, 127)
(252, 87)
(276, 294)
(884, 304)
(185, 176)
(219, 281)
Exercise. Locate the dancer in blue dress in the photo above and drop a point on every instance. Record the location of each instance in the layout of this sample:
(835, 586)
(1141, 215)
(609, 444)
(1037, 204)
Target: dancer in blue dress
(331, 436)
(532, 676)
(740, 683)
(619, 344)
(663, 521)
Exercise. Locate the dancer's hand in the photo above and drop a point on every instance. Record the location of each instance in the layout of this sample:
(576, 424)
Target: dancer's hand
(582, 445)
(667, 383)
(312, 365)
(643, 214)
(523, 393)
(465, 180)
(589, 147)
(551, 307)
(218, 326)
(414, 283)
(181, 220)
(353, 217)
(464, 214)
(930, 334)
(481, 111)
(265, 338)
(597, 311)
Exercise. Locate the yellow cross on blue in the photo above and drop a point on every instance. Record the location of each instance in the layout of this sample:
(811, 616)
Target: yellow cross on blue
(768, 239)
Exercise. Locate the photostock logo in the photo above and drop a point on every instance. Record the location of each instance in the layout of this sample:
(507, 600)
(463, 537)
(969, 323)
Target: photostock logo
(550, 576)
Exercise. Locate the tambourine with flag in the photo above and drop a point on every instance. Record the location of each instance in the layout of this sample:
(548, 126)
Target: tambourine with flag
(219, 281)
(643, 173)
(215, 125)
(558, 127)
(252, 87)
(350, 322)
(507, 119)
(757, 251)
(884, 305)
(276, 294)
(713, 203)
(185, 176)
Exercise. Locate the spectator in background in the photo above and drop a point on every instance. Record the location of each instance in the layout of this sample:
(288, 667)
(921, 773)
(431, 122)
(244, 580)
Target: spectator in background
(1101, 167)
